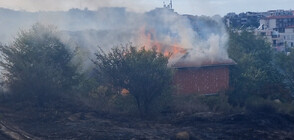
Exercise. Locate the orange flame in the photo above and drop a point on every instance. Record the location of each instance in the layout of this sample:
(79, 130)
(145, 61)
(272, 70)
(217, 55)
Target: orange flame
(125, 92)
(148, 38)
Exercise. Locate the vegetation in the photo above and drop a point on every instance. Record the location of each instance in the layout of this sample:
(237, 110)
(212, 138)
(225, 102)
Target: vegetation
(193, 103)
(255, 73)
(139, 72)
(285, 62)
(37, 66)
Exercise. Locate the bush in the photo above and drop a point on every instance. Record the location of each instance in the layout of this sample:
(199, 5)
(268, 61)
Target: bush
(258, 104)
(285, 64)
(217, 103)
(188, 103)
(143, 73)
(37, 66)
(255, 73)
(191, 103)
(106, 99)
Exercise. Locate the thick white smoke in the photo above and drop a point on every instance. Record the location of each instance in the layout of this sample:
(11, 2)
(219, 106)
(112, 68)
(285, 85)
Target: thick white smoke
(198, 38)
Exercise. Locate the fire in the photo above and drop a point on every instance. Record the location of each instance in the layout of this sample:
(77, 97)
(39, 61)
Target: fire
(149, 40)
(125, 92)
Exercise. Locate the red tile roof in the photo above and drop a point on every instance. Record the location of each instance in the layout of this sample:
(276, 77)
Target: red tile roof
(197, 64)
(292, 26)
(279, 17)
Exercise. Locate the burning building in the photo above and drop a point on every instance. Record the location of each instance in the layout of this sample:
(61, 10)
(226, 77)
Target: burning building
(202, 78)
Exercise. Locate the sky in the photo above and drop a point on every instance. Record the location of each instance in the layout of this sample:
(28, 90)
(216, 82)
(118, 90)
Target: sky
(193, 7)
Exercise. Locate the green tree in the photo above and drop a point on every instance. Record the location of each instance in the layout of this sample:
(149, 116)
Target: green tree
(144, 73)
(255, 73)
(285, 63)
(37, 65)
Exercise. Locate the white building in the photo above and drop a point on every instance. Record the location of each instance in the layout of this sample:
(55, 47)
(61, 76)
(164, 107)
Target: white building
(279, 30)
(289, 36)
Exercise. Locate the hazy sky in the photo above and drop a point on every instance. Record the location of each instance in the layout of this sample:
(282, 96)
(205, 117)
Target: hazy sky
(194, 7)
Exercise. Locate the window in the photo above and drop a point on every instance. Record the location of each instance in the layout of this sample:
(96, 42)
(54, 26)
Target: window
(262, 33)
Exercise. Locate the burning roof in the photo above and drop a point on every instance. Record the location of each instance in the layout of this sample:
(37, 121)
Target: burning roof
(182, 63)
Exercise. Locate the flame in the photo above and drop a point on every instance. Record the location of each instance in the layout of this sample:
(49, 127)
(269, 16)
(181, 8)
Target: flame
(149, 39)
(125, 92)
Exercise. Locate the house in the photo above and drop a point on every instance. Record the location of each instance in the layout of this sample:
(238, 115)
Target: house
(289, 36)
(202, 78)
(277, 23)
(278, 30)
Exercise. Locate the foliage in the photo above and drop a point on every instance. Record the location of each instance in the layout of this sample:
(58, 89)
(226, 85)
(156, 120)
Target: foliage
(254, 73)
(144, 73)
(188, 103)
(37, 65)
(258, 104)
(103, 99)
(217, 103)
(192, 103)
(285, 63)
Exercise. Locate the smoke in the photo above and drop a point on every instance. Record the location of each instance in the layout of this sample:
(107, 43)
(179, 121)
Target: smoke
(197, 39)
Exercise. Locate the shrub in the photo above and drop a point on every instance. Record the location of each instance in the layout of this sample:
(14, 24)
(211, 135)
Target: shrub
(217, 103)
(188, 103)
(255, 73)
(191, 103)
(37, 66)
(258, 104)
(144, 73)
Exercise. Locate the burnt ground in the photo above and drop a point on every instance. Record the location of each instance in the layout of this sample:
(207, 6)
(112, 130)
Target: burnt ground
(68, 122)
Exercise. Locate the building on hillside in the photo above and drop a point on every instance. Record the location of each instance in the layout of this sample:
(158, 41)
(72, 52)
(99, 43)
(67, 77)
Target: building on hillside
(278, 30)
(202, 78)
(275, 38)
(277, 23)
(279, 13)
(289, 36)
(251, 19)
(243, 20)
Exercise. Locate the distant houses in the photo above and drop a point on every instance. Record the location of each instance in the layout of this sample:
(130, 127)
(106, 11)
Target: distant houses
(278, 30)
(277, 26)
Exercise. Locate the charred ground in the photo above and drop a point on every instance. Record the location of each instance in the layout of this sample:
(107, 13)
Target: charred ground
(72, 121)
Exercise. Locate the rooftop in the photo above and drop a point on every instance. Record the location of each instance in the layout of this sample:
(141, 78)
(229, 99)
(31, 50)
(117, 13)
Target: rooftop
(198, 64)
(292, 26)
(279, 17)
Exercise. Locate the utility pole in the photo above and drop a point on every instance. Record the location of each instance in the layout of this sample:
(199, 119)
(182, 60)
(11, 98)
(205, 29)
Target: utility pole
(169, 6)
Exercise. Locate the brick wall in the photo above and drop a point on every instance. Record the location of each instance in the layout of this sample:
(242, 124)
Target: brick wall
(203, 80)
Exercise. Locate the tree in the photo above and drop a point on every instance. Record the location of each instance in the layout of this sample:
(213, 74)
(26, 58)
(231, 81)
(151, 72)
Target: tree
(284, 62)
(143, 73)
(255, 73)
(37, 65)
